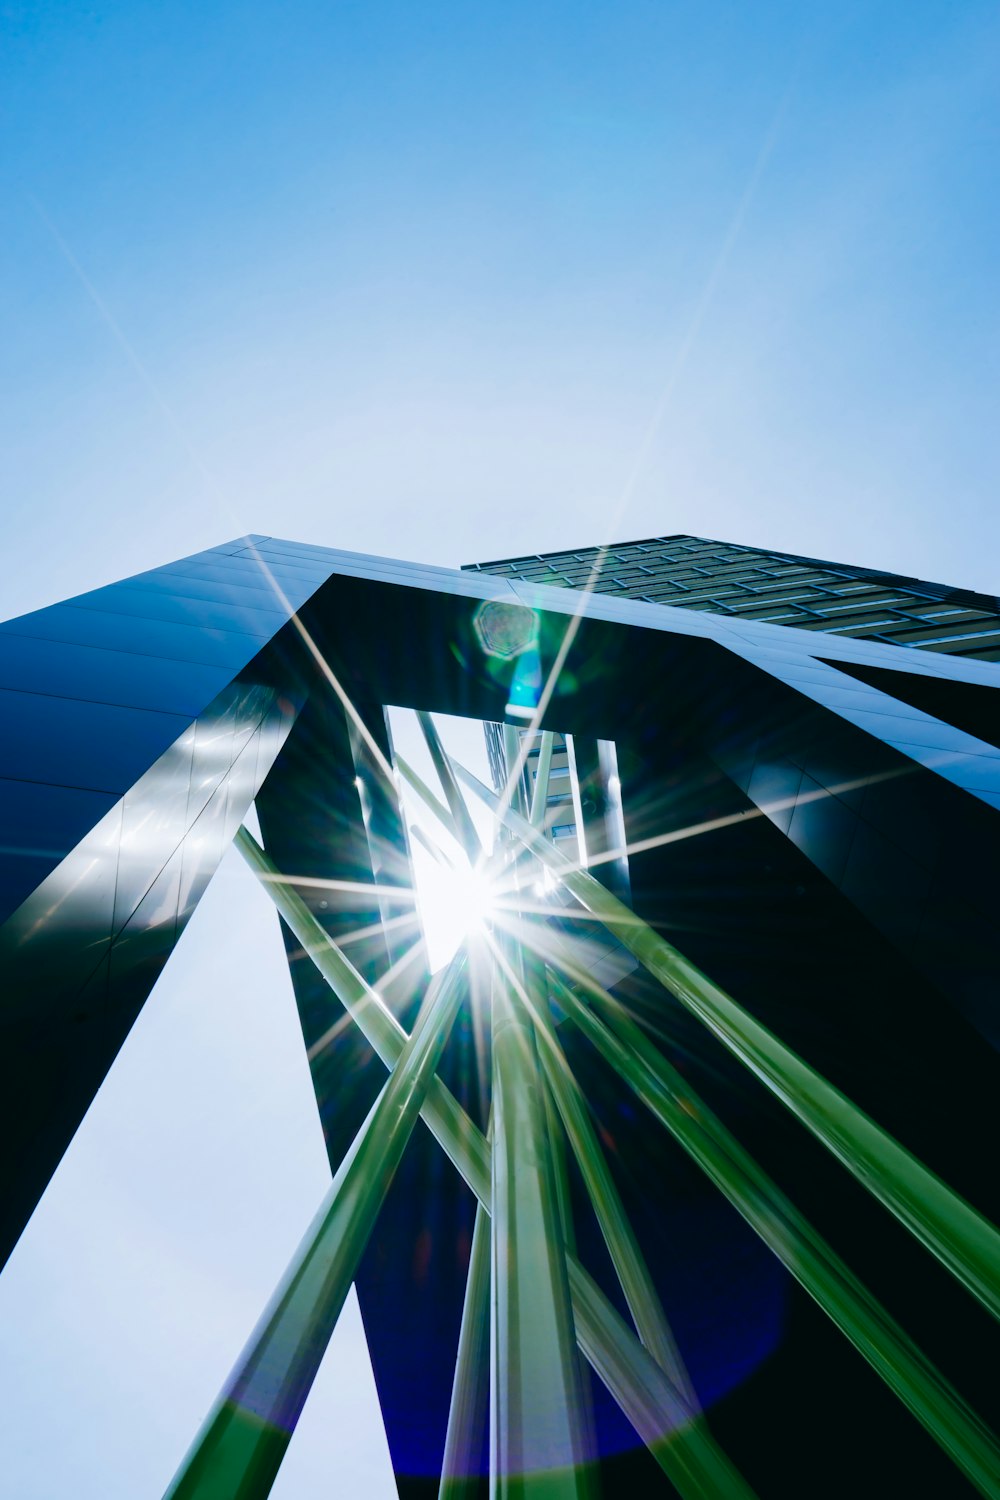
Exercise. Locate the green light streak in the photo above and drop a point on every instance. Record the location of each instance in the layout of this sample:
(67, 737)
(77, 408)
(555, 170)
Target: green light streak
(461, 817)
(949, 1227)
(917, 1383)
(240, 1448)
(470, 1392)
(540, 798)
(633, 1377)
(536, 1438)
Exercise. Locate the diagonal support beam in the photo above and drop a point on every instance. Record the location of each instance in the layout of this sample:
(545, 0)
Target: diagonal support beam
(705, 1466)
(876, 1335)
(540, 796)
(461, 816)
(240, 1448)
(636, 1282)
(917, 1383)
(536, 1436)
(962, 1239)
(633, 1377)
(470, 1393)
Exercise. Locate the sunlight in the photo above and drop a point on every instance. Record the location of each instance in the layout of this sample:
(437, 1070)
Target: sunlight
(454, 901)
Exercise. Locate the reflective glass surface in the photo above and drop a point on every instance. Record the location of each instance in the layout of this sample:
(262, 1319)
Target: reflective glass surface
(73, 743)
(151, 605)
(142, 637)
(66, 669)
(836, 883)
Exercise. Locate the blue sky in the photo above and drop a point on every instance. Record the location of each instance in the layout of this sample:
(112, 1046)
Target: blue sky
(450, 282)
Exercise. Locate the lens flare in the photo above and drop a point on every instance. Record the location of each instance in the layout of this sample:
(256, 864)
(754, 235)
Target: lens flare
(456, 902)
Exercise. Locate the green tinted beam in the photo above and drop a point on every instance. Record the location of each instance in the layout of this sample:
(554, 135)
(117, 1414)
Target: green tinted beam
(240, 1448)
(921, 1387)
(633, 1377)
(536, 1427)
(708, 1469)
(470, 1392)
(950, 1228)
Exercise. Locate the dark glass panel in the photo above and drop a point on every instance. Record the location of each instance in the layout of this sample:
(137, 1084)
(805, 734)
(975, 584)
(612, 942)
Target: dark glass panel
(154, 820)
(291, 566)
(129, 600)
(247, 571)
(58, 936)
(773, 787)
(63, 669)
(143, 637)
(70, 743)
(41, 824)
(885, 885)
(260, 595)
(823, 827)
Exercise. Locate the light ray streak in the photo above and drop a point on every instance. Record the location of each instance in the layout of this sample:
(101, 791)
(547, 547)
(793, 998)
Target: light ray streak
(709, 825)
(468, 1412)
(702, 306)
(949, 1227)
(694, 1449)
(623, 1247)
(377, 926)
(244, 1439)
(630, 1373)
(574, 913)
(392, 973)
(326, 670)
(349, 887)
(536, 1429)
(764, 810)
(828, 1280)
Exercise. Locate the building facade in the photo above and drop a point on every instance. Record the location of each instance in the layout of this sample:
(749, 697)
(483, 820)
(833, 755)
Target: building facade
(690, 572)
(721, 1221)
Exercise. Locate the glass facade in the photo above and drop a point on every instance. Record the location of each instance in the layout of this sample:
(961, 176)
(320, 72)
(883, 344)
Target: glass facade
(689, 572)
(801, 825)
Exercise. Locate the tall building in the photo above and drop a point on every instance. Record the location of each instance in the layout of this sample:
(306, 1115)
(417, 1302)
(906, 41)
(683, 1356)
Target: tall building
(691, 572)
(705, 1201)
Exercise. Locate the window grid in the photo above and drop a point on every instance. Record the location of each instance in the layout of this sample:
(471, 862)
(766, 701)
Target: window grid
(716, 578)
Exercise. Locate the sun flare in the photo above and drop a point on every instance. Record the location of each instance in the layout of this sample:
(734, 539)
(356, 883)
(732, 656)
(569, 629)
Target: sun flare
(455, 901)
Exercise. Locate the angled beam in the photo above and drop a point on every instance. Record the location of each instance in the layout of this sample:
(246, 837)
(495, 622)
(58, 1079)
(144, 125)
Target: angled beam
(470, 1392)
(636, 1282)
(539, 800)
(962, 1239)
(819, 1270)
(557, 1147)
(642, 1390)
(913, 1378)
(536, 1435)
(516, 746)
(705, 1469)
(461, 816)
(240, 1448)
(432, 803)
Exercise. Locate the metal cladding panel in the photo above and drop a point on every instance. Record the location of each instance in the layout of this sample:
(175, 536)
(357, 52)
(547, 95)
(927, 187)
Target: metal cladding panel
(703, 711)
(97, 688)
(131, 753)
(819, 844)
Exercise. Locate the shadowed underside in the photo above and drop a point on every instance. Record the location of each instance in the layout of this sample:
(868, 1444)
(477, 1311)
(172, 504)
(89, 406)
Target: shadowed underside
(699, 1200)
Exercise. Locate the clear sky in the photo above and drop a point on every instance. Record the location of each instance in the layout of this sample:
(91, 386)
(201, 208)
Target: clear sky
(449, 282)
